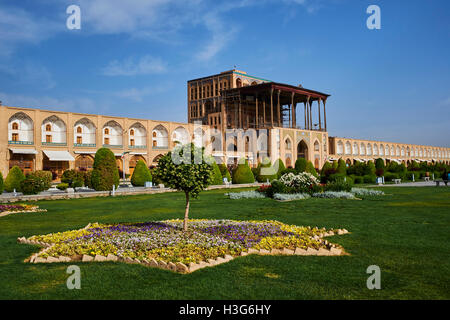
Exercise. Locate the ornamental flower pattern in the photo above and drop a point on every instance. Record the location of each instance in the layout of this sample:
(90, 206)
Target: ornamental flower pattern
(166, 240)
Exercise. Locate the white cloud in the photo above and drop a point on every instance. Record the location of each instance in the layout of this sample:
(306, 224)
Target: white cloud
(84, 105)
(138, 95)
(130, 67)
(20, 27)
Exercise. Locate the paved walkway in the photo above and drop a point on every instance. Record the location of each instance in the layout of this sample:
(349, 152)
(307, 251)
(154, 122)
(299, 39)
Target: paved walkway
(414, 184)
(54, 194)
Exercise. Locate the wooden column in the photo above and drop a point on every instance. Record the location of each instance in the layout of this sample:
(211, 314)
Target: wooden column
(318, 109)
(310, 115)
(293, 110)
(278, 107)
(271, 106)
(264, 112)
(224, 118)
(304, 105)
(325, 114)
(256, 102)
(240, 114)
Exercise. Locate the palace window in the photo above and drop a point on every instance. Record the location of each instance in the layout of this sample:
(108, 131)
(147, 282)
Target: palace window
(79, 130)
(155, 143)
(15, 137)
(132, 142)
(79, 140)
(15, 126)
(48, 138)
(106, 131)
(48, 127)
(131, 132)
(106, 141)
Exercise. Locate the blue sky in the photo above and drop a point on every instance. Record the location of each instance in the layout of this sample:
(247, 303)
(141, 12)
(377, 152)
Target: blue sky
(133, 58)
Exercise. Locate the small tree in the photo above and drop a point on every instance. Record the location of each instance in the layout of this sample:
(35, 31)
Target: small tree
(185, 169)
(105, 174)
(141, 174)
(14, 179)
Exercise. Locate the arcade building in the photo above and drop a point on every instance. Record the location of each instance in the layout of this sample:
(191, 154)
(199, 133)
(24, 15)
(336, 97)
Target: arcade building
(225, 107)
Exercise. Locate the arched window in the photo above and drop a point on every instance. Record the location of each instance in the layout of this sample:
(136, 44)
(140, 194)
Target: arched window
(288, 144)
(48, 127)
(79, 130)
(106, 131)
(15, 126)
(238, 83)
(316, 146)
(131, 132)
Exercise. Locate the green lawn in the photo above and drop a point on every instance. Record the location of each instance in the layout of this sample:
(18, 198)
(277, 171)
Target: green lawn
(405, 233)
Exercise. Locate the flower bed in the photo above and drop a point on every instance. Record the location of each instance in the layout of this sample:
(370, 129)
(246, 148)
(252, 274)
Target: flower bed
(291, 197)
(334, 195)
(360, 192)
(6, 209)
(164, 242)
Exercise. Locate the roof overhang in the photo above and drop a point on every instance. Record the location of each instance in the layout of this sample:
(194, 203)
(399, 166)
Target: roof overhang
(23, 151)
(54, 155)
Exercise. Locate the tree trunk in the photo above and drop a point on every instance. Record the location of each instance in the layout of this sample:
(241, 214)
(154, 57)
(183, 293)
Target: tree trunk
(186, 213)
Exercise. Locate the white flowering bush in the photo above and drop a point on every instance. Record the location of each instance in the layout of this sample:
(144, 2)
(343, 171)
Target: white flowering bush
(303, 181)
(290, 197)
(245, 195)
(360, 192)
(334, 195)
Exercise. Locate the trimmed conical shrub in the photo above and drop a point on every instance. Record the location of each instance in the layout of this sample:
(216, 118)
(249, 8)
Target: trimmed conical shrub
(141, 174)
(2, 187)
(300, 165)
(224, 171)
(243, 174)
(281, 168)
(342, 167)
(310, 169)
(105, 173)
(14, 179)
(326, 166)
(266, 171)
(217, 175)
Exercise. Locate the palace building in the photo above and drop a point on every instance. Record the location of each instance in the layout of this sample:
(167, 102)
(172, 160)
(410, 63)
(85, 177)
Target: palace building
(228, 113)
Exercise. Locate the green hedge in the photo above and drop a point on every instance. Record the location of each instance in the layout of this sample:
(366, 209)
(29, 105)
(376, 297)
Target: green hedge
(141, 174)
(14, 179)
(243, 174)
(105, 174)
